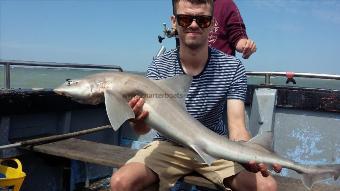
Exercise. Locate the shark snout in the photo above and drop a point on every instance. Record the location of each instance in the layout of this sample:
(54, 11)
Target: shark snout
(64, 91)
(59, 91)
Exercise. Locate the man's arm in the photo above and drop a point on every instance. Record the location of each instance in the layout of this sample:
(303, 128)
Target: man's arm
(136, 103)
(138, 124)
(236, 120)
(238, 132)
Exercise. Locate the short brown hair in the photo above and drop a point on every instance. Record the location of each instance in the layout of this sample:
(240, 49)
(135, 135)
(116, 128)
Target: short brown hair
(210, 2)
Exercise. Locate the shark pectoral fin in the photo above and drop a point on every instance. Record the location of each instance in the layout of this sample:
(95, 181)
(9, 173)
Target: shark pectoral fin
(265, 139)
(117, 109)
(204, 156)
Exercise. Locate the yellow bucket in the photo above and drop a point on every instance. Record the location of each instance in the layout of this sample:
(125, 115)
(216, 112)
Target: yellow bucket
(13, 177)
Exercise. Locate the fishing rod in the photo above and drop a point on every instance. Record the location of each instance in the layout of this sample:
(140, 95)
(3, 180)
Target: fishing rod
(54, 138)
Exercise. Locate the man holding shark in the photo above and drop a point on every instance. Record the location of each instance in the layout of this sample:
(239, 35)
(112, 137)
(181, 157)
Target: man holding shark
(216, 78)
(191, 132)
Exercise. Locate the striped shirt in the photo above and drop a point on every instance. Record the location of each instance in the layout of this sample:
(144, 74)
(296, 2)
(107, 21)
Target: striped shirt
(222, 78)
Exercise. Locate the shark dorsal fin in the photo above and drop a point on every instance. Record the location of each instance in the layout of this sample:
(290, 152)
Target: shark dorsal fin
(177, 86)
(264, 139)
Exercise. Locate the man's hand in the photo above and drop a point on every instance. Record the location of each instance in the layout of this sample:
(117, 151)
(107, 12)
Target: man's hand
(136, 103)
(246, 46)
(254, 167)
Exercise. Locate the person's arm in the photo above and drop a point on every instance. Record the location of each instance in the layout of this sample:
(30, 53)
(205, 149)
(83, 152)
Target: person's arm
(236, 120)
(138, 124)
(245, 46)
(136, 103)
(236, 97)
(236, 31)
(238, 132)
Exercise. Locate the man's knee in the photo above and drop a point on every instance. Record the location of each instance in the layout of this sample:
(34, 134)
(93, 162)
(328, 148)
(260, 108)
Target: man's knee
(132, 176)
(267, 184)
(249, 181)
(119, 183)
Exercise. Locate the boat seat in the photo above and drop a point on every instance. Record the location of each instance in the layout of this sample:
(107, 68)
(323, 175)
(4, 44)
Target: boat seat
(103, 154)
(116, 156)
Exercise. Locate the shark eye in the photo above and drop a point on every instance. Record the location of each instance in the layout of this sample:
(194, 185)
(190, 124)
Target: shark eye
(70, 82)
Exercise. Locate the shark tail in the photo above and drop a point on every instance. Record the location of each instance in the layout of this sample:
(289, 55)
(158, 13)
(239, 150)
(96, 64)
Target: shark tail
(321, 172)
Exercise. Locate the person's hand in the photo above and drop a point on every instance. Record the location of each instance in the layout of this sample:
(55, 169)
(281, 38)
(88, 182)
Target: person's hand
(254, 167)
(136, 103)
(246, 46)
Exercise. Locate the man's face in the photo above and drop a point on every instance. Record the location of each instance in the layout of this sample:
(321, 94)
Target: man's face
(192, 36)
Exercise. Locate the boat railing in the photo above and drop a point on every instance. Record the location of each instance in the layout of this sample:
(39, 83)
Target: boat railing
(7, 67)
(268, 75)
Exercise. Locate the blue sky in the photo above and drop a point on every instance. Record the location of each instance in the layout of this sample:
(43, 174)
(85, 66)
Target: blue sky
(291, 35)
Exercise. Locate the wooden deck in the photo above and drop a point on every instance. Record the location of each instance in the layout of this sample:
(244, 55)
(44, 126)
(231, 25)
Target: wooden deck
(116, 156)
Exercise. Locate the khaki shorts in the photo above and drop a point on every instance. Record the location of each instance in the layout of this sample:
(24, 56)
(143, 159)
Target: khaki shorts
(171, 162)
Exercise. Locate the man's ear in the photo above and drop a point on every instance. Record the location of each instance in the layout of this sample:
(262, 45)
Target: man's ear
(212, 24)
(173, 22)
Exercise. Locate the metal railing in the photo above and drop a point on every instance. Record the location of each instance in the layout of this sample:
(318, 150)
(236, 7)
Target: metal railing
(268, 75)
(8, 63)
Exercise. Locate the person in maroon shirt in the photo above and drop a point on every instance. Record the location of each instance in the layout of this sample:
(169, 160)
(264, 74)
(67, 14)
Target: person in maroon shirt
(229, 32)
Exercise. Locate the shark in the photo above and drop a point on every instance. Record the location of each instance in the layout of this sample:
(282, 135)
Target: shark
(164, 100)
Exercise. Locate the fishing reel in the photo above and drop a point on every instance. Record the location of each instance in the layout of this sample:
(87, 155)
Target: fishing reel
(167, 33)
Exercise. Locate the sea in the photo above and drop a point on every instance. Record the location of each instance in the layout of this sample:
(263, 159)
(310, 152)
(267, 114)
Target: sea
(34, 77)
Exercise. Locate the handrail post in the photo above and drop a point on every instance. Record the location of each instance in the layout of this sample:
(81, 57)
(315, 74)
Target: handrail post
(7, 71)
(267, 79)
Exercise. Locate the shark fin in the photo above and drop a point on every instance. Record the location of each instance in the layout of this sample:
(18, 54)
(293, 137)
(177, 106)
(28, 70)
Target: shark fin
(324, 172)
(117, 109)
(265, 140)
(203, 155)
(178, 86)
(308, 180)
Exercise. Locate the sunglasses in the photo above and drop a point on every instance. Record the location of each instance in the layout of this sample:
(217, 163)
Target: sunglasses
(203, 21)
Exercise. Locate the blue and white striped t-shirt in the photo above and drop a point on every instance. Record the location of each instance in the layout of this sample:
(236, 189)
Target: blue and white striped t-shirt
(222, 78)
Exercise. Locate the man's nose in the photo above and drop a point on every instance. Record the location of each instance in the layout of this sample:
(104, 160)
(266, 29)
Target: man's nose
(194, 24)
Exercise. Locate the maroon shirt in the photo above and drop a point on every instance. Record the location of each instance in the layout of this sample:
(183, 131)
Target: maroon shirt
(228, 28)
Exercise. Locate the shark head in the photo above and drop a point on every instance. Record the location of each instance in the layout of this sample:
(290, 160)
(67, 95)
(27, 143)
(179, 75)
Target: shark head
(78, 90)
